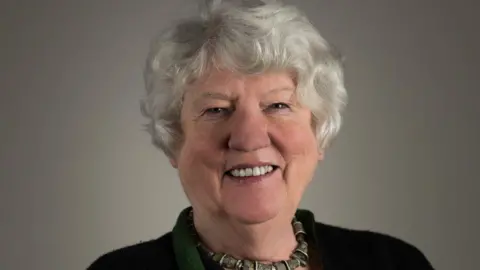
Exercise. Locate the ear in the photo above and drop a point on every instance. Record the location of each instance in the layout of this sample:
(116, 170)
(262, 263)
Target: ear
(174, 163)
(321, 154)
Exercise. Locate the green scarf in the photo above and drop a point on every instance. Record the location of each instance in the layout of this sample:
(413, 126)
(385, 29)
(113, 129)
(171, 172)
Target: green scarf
(185, 247)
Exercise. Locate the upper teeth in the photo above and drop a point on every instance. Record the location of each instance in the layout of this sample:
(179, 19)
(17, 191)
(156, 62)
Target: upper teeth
(254, 171)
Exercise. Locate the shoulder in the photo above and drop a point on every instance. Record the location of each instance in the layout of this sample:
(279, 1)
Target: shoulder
(153, 254)
(372, 249)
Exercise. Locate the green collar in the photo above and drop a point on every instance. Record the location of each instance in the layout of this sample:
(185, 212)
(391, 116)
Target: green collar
(185, 247)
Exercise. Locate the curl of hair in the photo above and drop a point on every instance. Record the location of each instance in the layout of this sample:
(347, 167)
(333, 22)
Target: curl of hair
(250, 37)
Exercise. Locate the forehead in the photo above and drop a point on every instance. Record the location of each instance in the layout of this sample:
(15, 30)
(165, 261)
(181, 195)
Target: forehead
(224, 81)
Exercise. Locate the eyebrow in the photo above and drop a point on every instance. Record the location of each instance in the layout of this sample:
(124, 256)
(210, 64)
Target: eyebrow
(215, 95)
(198, 101)
(281, 89)
(223, 96)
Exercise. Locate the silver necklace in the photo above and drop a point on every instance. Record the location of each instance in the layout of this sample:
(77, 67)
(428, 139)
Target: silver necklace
(298, 258)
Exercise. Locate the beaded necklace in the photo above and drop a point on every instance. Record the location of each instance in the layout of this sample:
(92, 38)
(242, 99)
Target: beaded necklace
(299, 256)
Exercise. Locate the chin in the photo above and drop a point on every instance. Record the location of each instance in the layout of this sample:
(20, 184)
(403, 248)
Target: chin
(254, 213)
(254, 203)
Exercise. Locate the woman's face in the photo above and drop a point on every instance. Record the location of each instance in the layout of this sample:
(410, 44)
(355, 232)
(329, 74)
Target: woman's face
(253, 124)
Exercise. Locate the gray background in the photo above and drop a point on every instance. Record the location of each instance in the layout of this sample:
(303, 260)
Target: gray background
(79, 177)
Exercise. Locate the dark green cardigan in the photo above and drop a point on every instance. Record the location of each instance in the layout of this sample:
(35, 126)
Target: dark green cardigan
(336, 249)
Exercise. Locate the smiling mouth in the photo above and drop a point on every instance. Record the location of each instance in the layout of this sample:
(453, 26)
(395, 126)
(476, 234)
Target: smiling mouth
(251, 171)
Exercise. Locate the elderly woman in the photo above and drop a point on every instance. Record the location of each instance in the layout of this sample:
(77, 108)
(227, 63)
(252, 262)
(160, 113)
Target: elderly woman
(244, 101)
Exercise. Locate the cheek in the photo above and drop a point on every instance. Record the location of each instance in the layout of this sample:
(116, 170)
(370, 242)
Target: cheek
(198, 167)
(298, 146)
(200, 150)
(298, 138)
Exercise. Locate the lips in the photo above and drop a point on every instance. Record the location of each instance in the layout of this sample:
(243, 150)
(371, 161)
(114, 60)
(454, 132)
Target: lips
(250, 169)
(255, 171)
(250, 165)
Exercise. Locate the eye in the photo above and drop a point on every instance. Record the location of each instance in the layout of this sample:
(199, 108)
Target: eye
(215, 111)
(278, 106)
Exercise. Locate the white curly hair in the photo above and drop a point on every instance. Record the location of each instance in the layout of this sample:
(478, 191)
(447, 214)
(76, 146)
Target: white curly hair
(250, 37)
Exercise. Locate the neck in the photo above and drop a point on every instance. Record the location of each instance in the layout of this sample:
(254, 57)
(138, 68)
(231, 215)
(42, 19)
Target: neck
(269, 241)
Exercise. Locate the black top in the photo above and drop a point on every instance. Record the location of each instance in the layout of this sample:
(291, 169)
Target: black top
(337, 249)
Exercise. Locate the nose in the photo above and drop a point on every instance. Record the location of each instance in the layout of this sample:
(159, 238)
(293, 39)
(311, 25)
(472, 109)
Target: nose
(248, 130)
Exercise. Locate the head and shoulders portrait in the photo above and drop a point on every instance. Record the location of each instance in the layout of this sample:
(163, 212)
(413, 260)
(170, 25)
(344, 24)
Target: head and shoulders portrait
(244, 99)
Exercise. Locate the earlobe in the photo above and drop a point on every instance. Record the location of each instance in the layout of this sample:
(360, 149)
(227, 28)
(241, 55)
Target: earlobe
(321, 155)
(173, 162)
